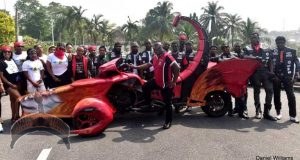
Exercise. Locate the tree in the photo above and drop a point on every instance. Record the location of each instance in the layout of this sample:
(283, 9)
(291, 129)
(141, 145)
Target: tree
(106, 30)
(212, 19)
(189, 30)
(56, 12)
(158, 20)
(79, 20)
(7, 28)
(233, 26)
(194, 17)
(248, 27)
(93, 27)
(130, 30)
(33, 19)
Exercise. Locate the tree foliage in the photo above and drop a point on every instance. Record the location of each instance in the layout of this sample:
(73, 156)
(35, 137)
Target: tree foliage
(71, 25)
(7, 28)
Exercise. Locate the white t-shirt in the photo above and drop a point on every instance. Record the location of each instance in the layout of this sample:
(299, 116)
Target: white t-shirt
(34, 69)
(44, 58)
(59, 66)
(19, 59)
(11, 67)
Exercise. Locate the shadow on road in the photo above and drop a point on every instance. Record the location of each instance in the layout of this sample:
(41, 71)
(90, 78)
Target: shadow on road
(229, 123)
(137, 128)
(142, 128)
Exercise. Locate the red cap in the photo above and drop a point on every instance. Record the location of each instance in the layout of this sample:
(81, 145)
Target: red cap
(18, 44)
(182, 37)
(92, 48)
(6, 48)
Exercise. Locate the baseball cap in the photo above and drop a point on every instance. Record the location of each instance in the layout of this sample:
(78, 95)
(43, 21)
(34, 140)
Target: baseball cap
(19, 44)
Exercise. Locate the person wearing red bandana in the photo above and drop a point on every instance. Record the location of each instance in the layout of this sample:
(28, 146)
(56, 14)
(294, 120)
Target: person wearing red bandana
(166, 72)
(263, 75)
(57, 66)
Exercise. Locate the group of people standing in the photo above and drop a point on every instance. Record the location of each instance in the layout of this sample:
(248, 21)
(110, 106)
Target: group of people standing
(23, 72)
(27, 72)
(279, 68)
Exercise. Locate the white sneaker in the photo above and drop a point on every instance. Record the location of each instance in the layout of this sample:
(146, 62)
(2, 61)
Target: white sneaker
(294, 119)
(1, 128)
(279, 116)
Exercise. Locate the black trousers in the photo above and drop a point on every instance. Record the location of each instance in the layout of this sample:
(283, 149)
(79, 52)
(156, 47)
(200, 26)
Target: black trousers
(289, 90)
(47, 80)
(65, 79)
(241, 103)
(167, 94)
(258, 78)
(148, 75)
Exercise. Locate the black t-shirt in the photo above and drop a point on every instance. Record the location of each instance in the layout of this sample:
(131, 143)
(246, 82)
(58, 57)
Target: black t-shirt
(79, 73)
(12, 78)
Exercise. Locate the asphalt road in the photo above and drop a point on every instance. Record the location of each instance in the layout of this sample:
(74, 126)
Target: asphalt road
(192, 136)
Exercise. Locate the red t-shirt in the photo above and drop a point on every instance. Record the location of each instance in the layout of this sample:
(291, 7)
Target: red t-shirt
(162, 69)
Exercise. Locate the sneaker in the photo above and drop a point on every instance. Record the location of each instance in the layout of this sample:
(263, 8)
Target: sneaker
(235, 111)
(1, 128)
(258, 115)
(243, 116)
(294, 119)
(269, 117)
(279, 116)
(167, 125)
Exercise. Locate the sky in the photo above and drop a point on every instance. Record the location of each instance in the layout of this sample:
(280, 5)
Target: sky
(272, 15)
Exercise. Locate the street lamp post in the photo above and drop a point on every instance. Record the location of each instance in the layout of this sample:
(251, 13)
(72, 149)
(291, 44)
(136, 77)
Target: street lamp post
(52, 29)
(17, 24)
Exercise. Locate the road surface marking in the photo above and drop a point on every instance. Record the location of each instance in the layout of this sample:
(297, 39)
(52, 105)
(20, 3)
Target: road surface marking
(44, 154)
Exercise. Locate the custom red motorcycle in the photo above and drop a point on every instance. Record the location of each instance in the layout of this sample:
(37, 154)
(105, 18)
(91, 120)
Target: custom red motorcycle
(92, 103)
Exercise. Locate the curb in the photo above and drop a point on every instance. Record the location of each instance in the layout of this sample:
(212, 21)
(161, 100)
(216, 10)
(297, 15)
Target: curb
(297, 86)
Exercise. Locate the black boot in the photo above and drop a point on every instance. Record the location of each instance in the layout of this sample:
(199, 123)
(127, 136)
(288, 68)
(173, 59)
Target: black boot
(267, 114)
(230, 113)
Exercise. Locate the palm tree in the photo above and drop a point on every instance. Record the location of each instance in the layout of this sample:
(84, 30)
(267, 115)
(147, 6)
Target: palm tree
(212, 19)
(79, 20)
(248, 28)
(93, 27)
(194, 16)
(105, 29)
(158, 20)
(130, 29)
(188, 29)
(233, 26)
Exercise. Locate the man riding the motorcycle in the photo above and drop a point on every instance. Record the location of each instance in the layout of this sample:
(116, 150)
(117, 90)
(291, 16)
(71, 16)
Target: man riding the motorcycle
(166, 72)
